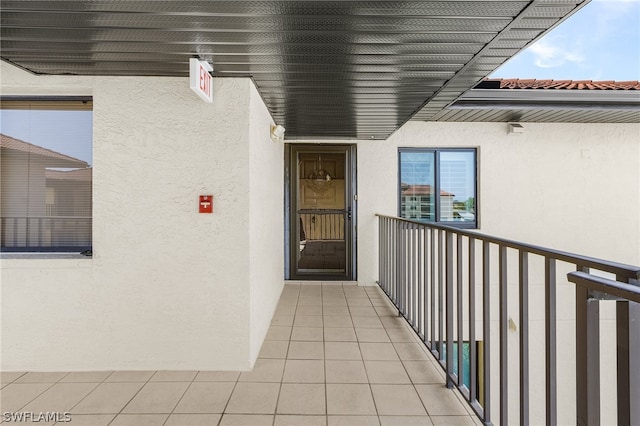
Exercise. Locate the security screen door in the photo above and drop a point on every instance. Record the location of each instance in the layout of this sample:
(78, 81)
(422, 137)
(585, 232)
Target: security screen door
(322, 213)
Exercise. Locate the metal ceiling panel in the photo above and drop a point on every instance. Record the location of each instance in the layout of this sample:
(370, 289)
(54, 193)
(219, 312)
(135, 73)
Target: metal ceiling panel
(326, 69)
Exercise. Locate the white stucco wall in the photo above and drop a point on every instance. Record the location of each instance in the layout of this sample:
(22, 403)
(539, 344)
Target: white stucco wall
(167, 288)
(266, 221)
(574, 187)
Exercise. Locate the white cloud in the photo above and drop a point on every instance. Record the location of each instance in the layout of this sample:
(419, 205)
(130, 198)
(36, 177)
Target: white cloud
(550, 55)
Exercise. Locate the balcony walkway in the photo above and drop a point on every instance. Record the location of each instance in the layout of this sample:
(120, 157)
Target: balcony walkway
(334, 355)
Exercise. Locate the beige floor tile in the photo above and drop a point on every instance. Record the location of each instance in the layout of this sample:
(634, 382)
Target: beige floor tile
(205, 397)
(352, 421)
(362, 311)
(282, 320)
(397, 400)
(60, 397)
(347, 399)
(440, 401)
(306, 350)
(399, 335)
(331, 311)
(277, 332)
(246, 420)
(338, 321)
(293, 420)
(159, 397)
(386, 312)
(422, 372)
(308, 334)
(192, 420)
(345, 372)
(405, 421)
(130, 376)
(285, 310)
(389, 372)
(342, 350)
(86, 377)
(372, 335)
(217, 376)
(378, 351)
(253, 398)
(309, 310)
(308, 398)
(173, 376)
(310, 300)
(89, 420)
(393, 322)
(358, 302)
(274, 349)
(10, 376)
(139, 420)
(265, 370)
(308, 321)
(366, 322)
(452, 421)
(304, 371)
(37, 377)
(411, 351)
(16, 395)
(334, 302)
(107, 398)
(337, 334)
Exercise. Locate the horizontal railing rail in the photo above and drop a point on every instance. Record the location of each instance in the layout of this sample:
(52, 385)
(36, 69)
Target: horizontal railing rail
(45, 232)
(460, 291)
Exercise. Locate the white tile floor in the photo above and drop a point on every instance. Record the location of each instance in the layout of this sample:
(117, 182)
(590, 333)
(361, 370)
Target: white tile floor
(334, 355)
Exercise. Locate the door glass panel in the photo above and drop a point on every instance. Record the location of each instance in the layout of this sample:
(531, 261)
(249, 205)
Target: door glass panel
(322, 213)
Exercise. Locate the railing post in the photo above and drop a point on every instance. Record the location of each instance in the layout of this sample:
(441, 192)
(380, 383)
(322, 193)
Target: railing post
(449, 303)
(524, 337)
(628, 357)
(504, 349)
(486, 330)
(550, 342)
(587, 358)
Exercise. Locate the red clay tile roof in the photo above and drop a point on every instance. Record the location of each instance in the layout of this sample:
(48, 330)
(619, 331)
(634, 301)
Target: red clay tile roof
(421, 190)
(515, 83)
(9, 142)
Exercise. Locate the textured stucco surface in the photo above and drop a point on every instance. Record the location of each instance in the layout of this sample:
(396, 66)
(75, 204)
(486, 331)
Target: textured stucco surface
(167, 288)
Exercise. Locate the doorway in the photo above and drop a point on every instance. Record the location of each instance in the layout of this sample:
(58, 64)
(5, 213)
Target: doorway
(321, 212)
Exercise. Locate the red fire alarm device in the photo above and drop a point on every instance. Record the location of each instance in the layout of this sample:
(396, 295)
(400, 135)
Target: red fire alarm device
(206, 204)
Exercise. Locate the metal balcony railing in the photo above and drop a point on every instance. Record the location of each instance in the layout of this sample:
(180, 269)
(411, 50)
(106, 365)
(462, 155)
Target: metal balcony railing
(461, 290)
(43, 233)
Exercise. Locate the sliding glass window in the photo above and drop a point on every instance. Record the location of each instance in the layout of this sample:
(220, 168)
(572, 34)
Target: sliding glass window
(46, 187)
(438, 185)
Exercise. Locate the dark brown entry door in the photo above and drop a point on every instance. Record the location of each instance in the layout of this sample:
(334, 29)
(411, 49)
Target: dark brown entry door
(322, 213)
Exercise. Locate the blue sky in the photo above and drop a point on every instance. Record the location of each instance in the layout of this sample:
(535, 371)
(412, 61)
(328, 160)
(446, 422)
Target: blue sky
(599, 42)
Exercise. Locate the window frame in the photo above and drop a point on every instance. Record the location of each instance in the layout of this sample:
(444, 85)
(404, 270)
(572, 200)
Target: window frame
(475, 224)
(51, 103)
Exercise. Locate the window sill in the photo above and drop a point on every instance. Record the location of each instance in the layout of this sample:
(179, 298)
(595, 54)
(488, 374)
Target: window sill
(48, 256)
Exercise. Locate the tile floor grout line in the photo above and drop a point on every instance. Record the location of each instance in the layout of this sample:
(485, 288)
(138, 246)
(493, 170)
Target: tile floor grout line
(180, 399)
(130, 399)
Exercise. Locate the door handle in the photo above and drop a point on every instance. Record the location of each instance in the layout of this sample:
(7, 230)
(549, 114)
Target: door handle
(349, 213)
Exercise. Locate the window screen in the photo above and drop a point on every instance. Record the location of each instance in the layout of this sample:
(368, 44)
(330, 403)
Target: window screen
(46, 175)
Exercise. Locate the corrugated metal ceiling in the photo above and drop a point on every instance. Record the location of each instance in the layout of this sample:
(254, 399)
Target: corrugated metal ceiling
(326, 69)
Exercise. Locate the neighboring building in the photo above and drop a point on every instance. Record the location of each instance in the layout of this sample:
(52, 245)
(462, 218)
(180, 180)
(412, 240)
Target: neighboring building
(43, 207)
(417, 202)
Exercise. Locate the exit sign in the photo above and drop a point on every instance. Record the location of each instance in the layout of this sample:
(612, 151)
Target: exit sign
(200, 81)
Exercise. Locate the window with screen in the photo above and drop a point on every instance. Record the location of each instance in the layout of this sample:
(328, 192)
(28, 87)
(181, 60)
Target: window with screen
(438, 185)
(46, 174)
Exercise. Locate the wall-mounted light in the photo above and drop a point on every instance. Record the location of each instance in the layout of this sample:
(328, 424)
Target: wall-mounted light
(277, 133)
(516, 128)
